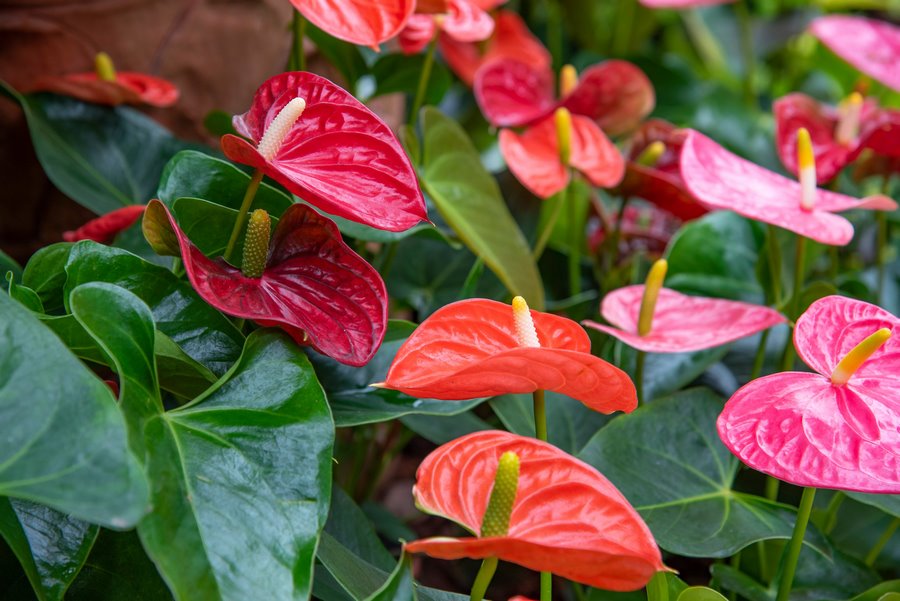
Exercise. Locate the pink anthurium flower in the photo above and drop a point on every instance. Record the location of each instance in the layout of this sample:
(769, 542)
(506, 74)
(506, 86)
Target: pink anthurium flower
(839, 134)
(722, 180)
(511, 39)
(838, 427)
(306, 282)
(542, 156)
(479, 348)
(614, 93)
(361, 22)
(104, 228)
(460, 20)
(872, 46)
(326, 147)
(561, 515)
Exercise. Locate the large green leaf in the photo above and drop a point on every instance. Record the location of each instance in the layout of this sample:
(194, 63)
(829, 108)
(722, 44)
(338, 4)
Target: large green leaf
(64, 442)
(241, 476)
(101, 157)
(665, 373)
(7, 263)
(668, 461)
(401, 73)
(45, 273)
(469, 199)
(400, 586)
(886, 503)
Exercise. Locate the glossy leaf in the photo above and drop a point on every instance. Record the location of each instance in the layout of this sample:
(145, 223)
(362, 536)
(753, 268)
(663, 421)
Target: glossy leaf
(45, 273)
(351, 166)
(357, 21)
(870, 45)
(128, 87)
(23, 294)
(8, 264)
(399, 586)
(700, 593)
(474, 207)
(561, 519)
(669, 464)
(68, 449)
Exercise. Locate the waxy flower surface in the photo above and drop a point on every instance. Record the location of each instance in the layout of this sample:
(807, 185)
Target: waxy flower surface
(872, 46)
(838, 427)
(460, 20)
(104, 228)
(480, 348)
(722, 180)
(361, 22)
(335, 153)
(310, 284)
(567, 518)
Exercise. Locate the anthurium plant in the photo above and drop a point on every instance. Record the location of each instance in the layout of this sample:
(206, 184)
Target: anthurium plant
(606, 309)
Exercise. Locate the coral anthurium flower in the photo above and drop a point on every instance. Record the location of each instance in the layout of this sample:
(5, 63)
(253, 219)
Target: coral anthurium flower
(722, 180)
(511, 39)
(326, 147)
(107, 86)
(361, 22)
(479, 348)
(104, 228)
(838, 427)
(838, 134)
(306, 281)
(461, 20)
(615, 93)
(540, 157)
(872, 46)
(566, 517)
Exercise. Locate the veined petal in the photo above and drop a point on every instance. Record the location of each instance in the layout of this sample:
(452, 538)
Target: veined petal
(511, 93)
(358, 21)
(615, 93)
(466, 22)
(872, 46)
(533, 157)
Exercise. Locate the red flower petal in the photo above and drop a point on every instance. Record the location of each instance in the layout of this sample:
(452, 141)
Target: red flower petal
(338, 156)
(128, 88)
(511, 93)
(313, 283)
(466, 22)
(358, 21)
(567, 518)
(594, 155)
(615, 93)
(419, 30)
(871, 46)
(682, 323)
(104, 228)
(469, 349)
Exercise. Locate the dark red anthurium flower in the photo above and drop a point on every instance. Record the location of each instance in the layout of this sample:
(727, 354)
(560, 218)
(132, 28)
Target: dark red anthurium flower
(479, 348)
(839, 134)
(361, 22)
(566, 517)
(644, 229)
(311, 285)
(104, 228)
(460, 20)
(326, 147)
(615, 93)
(511, 39)
(872, 46)
(838, 427)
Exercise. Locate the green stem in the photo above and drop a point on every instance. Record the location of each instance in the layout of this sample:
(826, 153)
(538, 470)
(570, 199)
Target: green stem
(554, 33)
(746, 41)
(879, 545)
(424, 76)
(881, 235)
(617, 232)
(760, 357)
(774, 254)
(736, 564)
(579, 591)
(576, 239)
(177, 266)
(787, 359)
(831, 511)
(548, 228)
(252, 187)
(540, 415)
(659, 586)
(639, 376)
(622, 32)
(483, 579)
(298, 56)
(796, 543)
(704, 41)
(772, 485)
(546, 586)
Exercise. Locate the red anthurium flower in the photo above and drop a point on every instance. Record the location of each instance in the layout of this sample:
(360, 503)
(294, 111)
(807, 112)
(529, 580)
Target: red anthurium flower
(538, 159)
(839, 134)
(361, 22)
(643, 229)
(682, 3)
(566, 517)
(615, 93)
(329, 149)
(722, 180)
(479, 348)
(871, 46)
(511, 39)
(310, 283)
(104, 228)
(461, 20)
(838, 427)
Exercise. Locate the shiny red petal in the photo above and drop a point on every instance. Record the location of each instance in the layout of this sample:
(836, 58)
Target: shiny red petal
(128, 88)
(594, 155)
(682, 323)
(313, 283)
(881, 133)
(511, 93)
(338, 156)
(615, 93)
(468, 349)
(533, 157)
(466, 22)
(104, 228)
(358, 21)
(419, 30)
(567, 519)
(799, 110)
(872, 46)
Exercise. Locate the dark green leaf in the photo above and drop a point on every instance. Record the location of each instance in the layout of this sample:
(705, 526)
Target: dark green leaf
(886, 591)
(700, 593)
(7, 263)
(23, 294)
(45, 273)
(400, 73)
(345, 57)
(444, 428)
(218, 123)
(665, 373)
(348, 525)
(886, 503)
(399, 585)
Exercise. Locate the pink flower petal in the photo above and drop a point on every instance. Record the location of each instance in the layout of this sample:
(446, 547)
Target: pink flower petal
(871, 46)
(615, 93)
(511, 93)
(682, 323)
(466, 22)
(338, 156)
(357, 21)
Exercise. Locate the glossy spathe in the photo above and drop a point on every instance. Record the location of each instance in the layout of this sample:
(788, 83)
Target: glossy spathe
(358, 21)
(870, 45)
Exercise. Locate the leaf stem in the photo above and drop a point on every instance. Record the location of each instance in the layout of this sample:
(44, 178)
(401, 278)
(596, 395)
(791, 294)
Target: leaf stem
(831, 511)
(622, 33)
(540, 415)
(881, 542)
(546, 586)
(787, 358)
(548, 227)
(298, 56)
(252, 187)
(760, 357)
(774, 255)
(796, 543)
(746, 40)
(483, 579)
(424, 76)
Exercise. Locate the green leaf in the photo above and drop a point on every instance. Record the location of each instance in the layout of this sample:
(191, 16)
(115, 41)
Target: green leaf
(399, 586)
(23, 294)
(45, 273)
(7, 263)
(68, 448)
(886, 591)
(700, 593)
(345, 57)
(444, 428)
(101, 157)
(887, 503)
(354, 402)
(349, 526)
(668, 461)
(665, 373)
(400, 73)
(469, 199)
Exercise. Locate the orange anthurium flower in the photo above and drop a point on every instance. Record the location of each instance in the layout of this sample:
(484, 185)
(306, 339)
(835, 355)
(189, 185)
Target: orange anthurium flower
(567, 518)
(479, 348)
